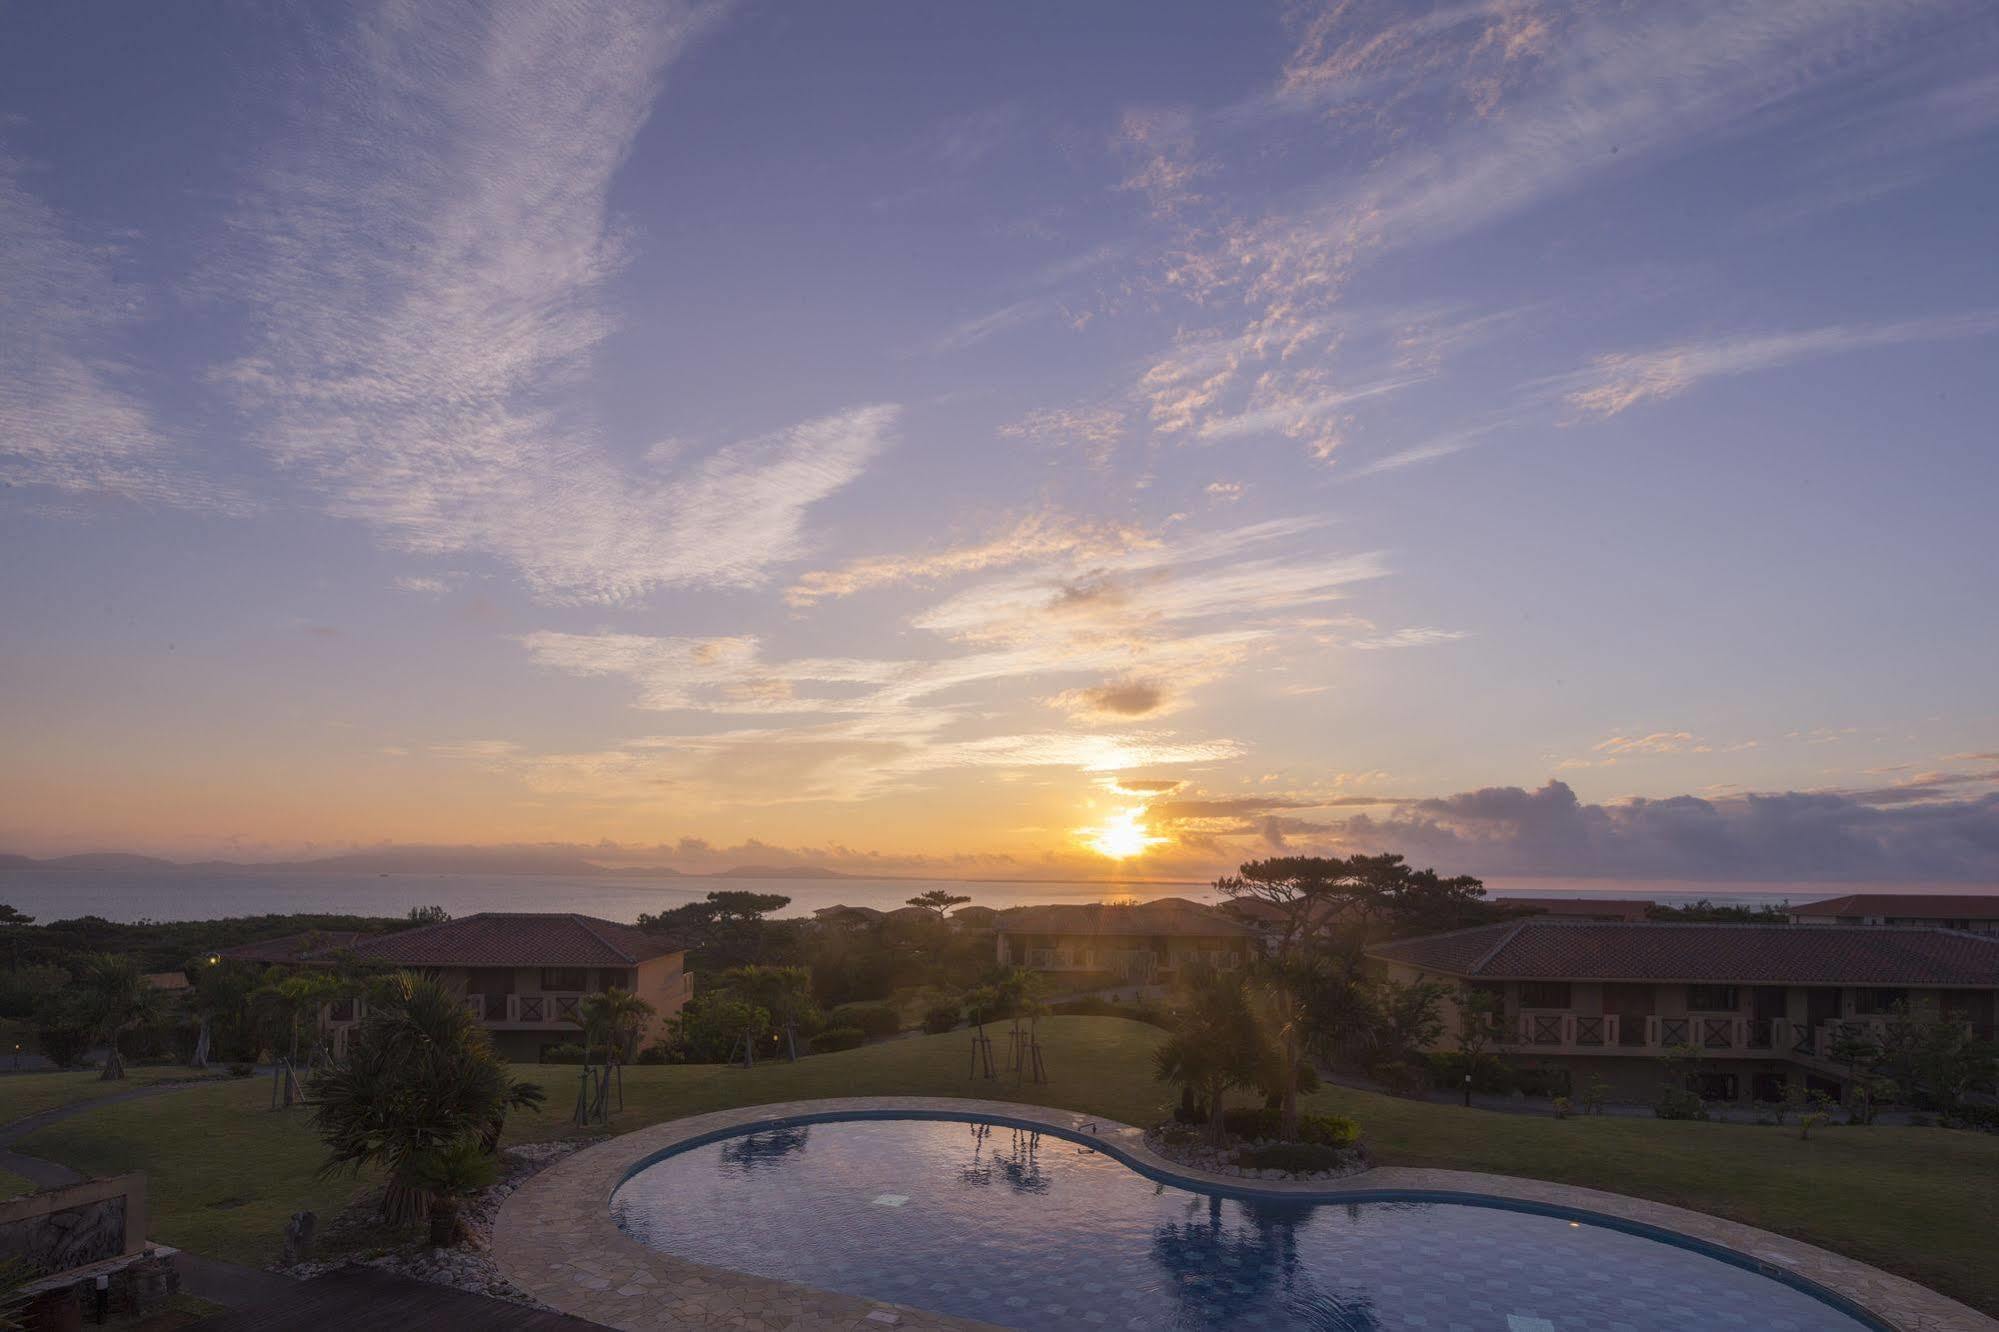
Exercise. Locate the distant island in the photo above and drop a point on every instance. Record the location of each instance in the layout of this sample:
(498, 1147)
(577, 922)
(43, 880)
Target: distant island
(414, 860)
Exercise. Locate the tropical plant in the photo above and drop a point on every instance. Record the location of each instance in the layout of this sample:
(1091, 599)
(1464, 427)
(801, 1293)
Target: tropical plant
(114, 998)
(448, 1175)
(420, 1077)
(1217, 1045)
(617, 1018)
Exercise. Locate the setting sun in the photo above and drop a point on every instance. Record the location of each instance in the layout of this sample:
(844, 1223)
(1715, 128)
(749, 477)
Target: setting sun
(1121, 835)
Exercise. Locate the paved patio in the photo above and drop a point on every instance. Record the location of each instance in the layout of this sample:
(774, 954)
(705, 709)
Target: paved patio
(555, 1237)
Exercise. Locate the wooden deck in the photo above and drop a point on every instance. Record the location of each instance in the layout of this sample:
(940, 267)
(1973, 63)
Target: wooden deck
(367, 1299)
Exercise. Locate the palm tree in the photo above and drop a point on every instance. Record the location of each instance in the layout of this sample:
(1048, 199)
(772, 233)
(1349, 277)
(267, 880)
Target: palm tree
(115, 999)
(618, 1018)
(420, 1078)
(1217, 1045)
(449, 1176)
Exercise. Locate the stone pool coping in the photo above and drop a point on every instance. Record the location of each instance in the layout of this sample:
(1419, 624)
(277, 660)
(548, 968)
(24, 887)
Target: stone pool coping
(556, 1240)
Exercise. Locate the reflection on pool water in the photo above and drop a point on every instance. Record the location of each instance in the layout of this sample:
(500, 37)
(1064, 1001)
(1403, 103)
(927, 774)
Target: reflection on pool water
(1031, 1230)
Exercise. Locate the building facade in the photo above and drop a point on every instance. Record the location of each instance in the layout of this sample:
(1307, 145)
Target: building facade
(1978, 913)
(1140, 943)
(1763, 1007)
(524, 975)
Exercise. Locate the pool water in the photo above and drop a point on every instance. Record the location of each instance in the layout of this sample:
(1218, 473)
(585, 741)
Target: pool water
(1032, 1230)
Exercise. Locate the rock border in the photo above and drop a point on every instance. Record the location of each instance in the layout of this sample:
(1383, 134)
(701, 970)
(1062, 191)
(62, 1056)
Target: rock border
(556, 1240)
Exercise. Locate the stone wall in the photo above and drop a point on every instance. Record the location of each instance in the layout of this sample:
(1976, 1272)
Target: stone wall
(76, 1225)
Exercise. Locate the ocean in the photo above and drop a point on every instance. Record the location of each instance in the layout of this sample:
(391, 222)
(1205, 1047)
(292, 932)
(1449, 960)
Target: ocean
(124, 895)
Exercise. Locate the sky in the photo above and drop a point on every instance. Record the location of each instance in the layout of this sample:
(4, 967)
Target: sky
(1545, 440)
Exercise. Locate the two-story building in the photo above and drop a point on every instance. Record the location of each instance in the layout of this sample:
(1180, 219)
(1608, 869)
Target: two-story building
(1977, 912)
(524, 975)
(1140, 942)
(1762, 1005)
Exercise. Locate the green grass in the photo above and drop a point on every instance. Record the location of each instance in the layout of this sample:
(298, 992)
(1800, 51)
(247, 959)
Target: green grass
(13, 1186)
(24, 1094)
(1921, 1202)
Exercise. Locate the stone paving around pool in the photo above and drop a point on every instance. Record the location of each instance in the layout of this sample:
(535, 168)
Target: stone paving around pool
(555, 1237)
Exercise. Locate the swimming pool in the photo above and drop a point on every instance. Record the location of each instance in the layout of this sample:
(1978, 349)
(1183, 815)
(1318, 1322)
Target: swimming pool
(1030, 1229)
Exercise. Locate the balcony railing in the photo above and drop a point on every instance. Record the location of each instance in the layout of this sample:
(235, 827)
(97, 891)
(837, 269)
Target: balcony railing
(545, 1010)
(1568, 1031)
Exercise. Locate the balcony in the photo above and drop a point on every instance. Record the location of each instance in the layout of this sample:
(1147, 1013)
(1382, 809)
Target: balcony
(1575, 1033)
(563, 1009)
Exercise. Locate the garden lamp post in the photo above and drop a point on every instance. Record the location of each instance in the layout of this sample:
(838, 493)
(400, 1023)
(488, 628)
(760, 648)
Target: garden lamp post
(1467, 1091)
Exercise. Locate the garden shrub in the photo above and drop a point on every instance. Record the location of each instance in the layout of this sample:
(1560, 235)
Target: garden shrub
(652, 1054)
(1327, 1130)
(1489, 1074)
(837, 1038)
(942, 1018)
(1251, 1123)
(64, 1046)
(568, 1052)
(1540, 1080)
(1297, 1157)
(868, 1019)
(241, 1070)
(1679, 1103)
(1316, 1130)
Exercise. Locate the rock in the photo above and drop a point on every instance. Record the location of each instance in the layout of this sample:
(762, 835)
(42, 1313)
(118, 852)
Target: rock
(298, 1237)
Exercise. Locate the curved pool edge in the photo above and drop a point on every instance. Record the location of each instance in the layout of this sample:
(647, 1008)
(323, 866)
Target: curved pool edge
(556, 1237)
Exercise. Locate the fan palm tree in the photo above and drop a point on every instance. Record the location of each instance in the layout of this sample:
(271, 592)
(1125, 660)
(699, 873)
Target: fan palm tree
(420, 1078)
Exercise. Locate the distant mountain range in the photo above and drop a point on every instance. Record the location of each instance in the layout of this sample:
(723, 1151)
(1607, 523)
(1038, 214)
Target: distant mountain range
(411, 860)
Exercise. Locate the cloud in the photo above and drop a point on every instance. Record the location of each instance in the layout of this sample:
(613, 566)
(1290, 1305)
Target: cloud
(1116, 700)
(977, 329)
(423, 268)
(1405, 638)
(73, 414)
(1037, 536)
(1787, 836)
(1621, 380)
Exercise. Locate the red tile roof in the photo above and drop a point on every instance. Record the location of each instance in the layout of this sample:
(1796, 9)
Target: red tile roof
(489, 939)
(292, 947)
(1167, 915)
(518, 939)
(1943, 906)
(1543, 949)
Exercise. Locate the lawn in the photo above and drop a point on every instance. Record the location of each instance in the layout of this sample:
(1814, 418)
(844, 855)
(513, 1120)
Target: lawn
(226, 1172)
(13, 1186)
(24, 1094)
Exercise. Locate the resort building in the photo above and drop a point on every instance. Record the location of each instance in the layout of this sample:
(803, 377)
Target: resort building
(524, 975)
(1141, 942)
(1764, 1005)
(1977, 912)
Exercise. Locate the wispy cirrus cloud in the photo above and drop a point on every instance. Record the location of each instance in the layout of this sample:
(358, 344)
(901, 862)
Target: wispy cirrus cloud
(1621, 380)
(424, 263)
(1038, 536)
(1150, 621)
(73, 416)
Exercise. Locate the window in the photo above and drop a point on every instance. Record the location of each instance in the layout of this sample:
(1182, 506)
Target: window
(610, 978)
(1544, 994)
(1713, 998)
(565, 978)
(1879, 1001)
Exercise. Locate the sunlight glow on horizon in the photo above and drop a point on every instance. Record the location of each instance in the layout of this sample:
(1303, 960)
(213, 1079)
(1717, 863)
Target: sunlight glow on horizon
(1122, 835)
